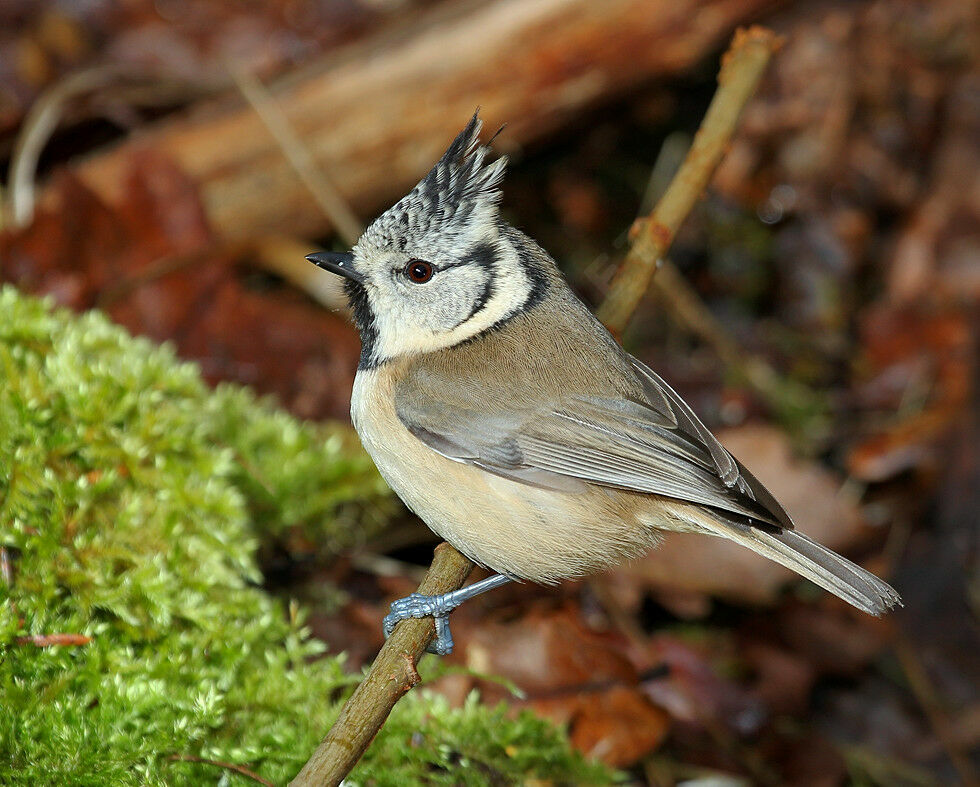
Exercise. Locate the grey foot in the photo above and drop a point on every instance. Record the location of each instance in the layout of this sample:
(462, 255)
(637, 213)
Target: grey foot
(418, 606)
(438, 607)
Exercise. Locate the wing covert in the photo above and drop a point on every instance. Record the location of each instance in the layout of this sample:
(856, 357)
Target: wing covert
(657, 446)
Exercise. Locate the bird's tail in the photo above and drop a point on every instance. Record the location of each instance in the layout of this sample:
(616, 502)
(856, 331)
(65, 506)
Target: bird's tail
(806, 557)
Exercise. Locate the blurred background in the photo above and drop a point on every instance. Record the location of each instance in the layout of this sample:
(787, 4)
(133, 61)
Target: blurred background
(171, 162)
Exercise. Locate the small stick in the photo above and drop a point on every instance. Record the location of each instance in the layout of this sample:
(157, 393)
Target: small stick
(47, 640)
(782, 395)
(228, 766)
(924, 692)
(741, 69)
(41, 121)
(392, 675)
(326, 194)
(6, 567)
(45, 114)
(393, 672)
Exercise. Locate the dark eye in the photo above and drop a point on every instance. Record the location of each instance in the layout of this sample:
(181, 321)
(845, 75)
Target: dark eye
(419, 271)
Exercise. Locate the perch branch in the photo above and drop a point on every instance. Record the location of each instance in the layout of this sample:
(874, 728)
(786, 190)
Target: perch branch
(741, 69)
(393, 672)
(392, 675)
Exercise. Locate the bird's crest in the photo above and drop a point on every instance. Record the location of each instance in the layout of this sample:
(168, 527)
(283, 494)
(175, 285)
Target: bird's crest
(460, 183)
(460, 194)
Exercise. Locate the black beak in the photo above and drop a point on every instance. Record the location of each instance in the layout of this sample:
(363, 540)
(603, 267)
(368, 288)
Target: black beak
(339, 262)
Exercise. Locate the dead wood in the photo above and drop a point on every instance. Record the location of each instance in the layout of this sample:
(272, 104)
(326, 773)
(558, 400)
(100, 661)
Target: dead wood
(375, 115)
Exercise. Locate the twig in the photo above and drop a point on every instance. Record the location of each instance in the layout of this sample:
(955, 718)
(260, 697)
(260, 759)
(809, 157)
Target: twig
(40, 123)
(284, 256)
(393, 672)
(741, 69)
(384, 566)
(925, 694)
(6, 567)
(47, 640)
(140, 88)
(787, 398)
(229, 766)
(327, 196)
(392, 675)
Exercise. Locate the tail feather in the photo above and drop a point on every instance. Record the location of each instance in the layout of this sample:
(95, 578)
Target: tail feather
(829, 570)
(806, 557)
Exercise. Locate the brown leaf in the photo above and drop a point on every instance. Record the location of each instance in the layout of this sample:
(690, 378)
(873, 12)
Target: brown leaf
(47, 640)
(832, 638)
(783, 680)
(694, 692)
(66, 250)
(618, 726)
(570, 673)
(920, 367)
(548, 650)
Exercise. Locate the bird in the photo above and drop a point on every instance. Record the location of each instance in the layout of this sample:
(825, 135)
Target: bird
(506, 416)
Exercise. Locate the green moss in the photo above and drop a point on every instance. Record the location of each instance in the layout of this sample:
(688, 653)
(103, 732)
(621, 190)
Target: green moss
(131, 498)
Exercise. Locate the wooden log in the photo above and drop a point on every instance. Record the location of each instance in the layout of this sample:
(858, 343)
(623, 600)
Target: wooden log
(376, 114)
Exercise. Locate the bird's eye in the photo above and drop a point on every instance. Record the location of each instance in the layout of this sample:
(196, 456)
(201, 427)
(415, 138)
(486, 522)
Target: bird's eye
(419, 271)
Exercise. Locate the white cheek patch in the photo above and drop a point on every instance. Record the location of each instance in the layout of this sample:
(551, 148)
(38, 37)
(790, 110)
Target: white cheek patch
(408, 326)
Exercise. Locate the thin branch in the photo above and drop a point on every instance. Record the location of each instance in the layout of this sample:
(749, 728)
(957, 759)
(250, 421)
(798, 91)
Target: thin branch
(143, 88)
(392, 675)
(394, 671)
(41, 121)
(784, 396)
(6, 567)
(284, 256)
(228, 766)
(47, 640)
(326, 194)
(741, 69)
(924, 692)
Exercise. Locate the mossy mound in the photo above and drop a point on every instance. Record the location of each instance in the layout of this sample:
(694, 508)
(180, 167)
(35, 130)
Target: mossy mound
(131, 500)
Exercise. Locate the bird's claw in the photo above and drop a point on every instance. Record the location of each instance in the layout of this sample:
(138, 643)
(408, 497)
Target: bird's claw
(417, 605)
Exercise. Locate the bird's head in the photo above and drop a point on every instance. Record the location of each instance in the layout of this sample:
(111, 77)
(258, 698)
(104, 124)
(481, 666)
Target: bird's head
(439, 266)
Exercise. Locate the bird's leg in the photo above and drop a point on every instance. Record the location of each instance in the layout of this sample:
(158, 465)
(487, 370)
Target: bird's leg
(438, 607)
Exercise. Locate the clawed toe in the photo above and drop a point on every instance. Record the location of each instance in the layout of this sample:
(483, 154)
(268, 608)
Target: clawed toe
(417, 605)
(442, 643)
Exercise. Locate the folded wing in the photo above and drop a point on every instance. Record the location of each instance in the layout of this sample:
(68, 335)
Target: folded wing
(652, 443)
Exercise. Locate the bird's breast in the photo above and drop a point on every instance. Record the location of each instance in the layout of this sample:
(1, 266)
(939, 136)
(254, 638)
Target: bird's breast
(510, 527)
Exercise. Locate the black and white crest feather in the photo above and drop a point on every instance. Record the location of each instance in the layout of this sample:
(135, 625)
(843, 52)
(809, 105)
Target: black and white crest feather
(454, 202)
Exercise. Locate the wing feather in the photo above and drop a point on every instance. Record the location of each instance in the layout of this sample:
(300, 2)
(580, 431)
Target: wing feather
(656, 446)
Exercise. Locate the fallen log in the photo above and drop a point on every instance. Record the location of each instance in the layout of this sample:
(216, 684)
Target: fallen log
(374, 115)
